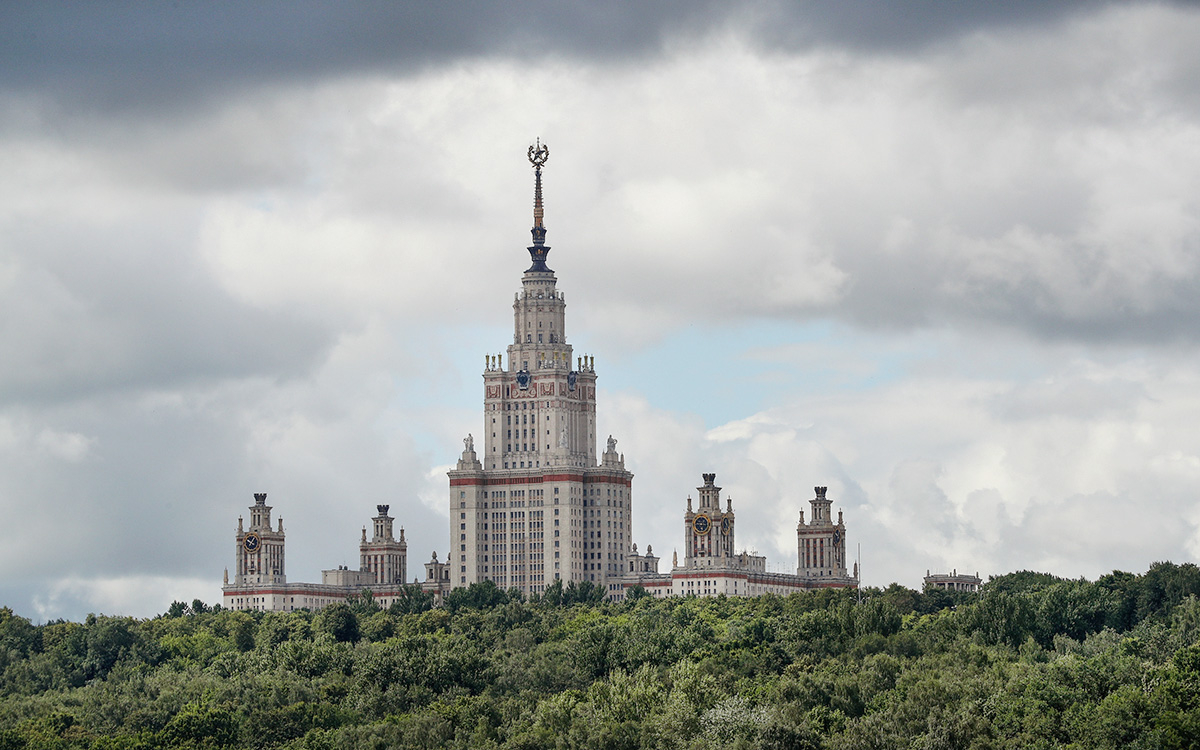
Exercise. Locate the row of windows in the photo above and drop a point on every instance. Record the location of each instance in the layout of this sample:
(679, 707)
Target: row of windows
(522, 406)
(575, 405)
(523, 447)
(529, 338)
(524, 417)
(525, 434)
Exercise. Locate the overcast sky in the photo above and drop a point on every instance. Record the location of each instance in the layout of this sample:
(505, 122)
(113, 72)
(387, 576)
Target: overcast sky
(943, 258)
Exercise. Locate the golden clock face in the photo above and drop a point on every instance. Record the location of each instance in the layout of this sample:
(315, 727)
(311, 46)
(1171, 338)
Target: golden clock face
(251, 542)
(701, 525)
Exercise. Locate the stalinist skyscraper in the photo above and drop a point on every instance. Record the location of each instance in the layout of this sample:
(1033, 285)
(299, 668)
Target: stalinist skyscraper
(535, 504)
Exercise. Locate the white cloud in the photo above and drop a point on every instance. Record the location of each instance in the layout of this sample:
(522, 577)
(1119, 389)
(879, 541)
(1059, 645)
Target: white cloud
(288, 288)
(136, 596)
(945, 472)
(434, 494)
(68, 446)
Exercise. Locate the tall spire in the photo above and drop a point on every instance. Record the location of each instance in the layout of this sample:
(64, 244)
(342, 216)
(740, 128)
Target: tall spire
(538, 154)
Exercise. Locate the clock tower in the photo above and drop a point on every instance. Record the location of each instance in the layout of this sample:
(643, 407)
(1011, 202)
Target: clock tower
(259, 548)
(708, 530)
(537, 504)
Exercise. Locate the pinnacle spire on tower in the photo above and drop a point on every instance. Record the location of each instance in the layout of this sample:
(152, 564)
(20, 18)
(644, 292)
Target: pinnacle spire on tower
(538, 154)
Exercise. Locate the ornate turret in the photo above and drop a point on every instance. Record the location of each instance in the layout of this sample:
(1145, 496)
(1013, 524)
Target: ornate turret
(820, 507)
(821, 544)
(708, 531)
(383, 557)
(538, 154)
(259, 548)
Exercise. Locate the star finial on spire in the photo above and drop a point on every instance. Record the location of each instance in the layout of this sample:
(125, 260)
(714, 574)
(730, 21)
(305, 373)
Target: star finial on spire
(538, 154)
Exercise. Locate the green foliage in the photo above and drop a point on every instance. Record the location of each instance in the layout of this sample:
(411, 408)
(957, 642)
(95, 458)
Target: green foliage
(362, 603)
(584, 592)
(411, 600)
(339, 621)
(241, 630)
(200, 726)
(476, 596)
(1000, 618)
(1032, 661)
(1021, 582)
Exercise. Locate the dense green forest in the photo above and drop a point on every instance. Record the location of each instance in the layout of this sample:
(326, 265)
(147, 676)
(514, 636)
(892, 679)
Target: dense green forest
(1033, 661)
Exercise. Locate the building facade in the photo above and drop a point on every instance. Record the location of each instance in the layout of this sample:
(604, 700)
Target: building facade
(260, 580)
(259, 551)
(539, 504)
(712, 566)
(954, 581)
(384, 557)
(821, 543)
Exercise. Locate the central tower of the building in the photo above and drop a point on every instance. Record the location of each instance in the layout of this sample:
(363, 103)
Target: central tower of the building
(536, 505)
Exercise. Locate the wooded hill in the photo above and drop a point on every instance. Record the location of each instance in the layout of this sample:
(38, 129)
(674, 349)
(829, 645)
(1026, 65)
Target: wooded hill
(1033, 662)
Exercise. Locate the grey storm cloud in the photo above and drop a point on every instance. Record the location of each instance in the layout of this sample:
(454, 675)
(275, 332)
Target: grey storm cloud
(262, 247)
(126, 307)
(116, 56)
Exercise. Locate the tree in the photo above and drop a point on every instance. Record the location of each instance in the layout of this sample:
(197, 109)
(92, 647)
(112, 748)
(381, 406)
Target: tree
(108, 640)
(363, 603)
(410, 600)
(1021, 581)
(1001, 618)
(241, 630)
(902, 598)
(200, 726)
(1178, 696)
(553, 594)
(1121, 588)
(1164, 586)
(482, 595)
(18, 633)
(876, 615)
(378, 626)
(339, 621)
(582, 592)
